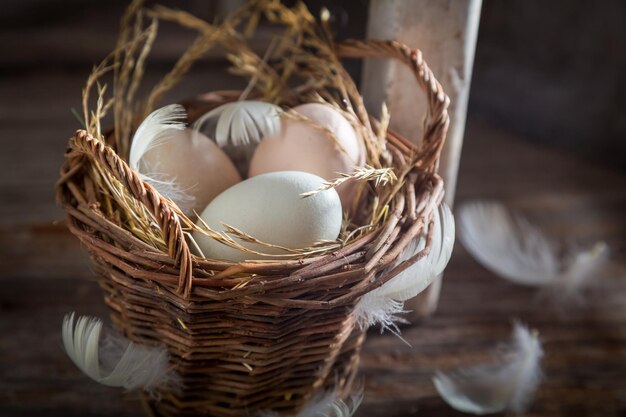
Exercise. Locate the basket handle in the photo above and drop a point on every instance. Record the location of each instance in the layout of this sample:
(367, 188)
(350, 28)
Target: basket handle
(168, 220)
(436, 128)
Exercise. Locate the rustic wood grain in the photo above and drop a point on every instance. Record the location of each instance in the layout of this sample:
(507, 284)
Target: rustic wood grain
(44, 274)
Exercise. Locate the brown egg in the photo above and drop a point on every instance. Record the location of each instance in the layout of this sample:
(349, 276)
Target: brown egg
(301, 146)
(196, 167)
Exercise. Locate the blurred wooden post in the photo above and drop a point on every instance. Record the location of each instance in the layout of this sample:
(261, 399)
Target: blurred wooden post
(223, 8)
(445, 31)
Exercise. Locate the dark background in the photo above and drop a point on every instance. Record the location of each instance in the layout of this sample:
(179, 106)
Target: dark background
(553, 71)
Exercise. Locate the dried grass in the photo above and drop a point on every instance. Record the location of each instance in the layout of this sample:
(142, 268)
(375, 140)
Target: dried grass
(379, 176)
(300, 67)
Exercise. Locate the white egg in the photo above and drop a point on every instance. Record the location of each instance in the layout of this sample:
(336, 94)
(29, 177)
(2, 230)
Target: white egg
(195, 165)
(301, 146)
(270, 208)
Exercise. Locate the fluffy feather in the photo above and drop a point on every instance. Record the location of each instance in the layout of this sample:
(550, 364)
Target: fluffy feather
(507, 385)
(507, 243)
(327, 405)
(510, 246)
(242, 122)
(114, 361)
(153, 130)
(384, 303)
(150, 134)
(582, 266)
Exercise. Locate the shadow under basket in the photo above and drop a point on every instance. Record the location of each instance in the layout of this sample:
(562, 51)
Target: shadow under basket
(251, 336)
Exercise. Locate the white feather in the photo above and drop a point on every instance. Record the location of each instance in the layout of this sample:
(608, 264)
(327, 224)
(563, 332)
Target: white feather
(506, 385)
(114, 361)
(326, 405)
(507, 243)
(152, 132)
(242, 122)
(582, 267)
(510, 246)
(381, 306)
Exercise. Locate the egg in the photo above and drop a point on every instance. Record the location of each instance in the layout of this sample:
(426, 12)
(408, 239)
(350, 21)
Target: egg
(301, 146)
(269, 207)
(195, 165)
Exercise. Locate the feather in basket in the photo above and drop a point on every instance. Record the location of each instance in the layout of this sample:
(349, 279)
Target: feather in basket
(382, 305)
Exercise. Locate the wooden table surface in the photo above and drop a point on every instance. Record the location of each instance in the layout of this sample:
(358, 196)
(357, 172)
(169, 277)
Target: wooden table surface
(44, 274)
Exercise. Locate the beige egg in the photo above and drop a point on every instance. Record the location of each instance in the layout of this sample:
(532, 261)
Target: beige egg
(196, 167)
(303, 146)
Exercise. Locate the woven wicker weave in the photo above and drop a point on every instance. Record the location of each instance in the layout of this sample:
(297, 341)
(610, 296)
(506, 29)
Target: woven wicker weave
(286, 334)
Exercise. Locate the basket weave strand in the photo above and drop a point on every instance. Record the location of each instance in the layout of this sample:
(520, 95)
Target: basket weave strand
(167, 219)
(438, 102)
(251, 336)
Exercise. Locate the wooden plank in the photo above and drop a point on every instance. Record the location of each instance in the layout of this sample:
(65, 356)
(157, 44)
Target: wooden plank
(44, 274)
(446, 34)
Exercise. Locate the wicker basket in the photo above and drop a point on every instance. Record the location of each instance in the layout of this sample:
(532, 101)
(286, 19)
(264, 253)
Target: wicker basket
(289, 332)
